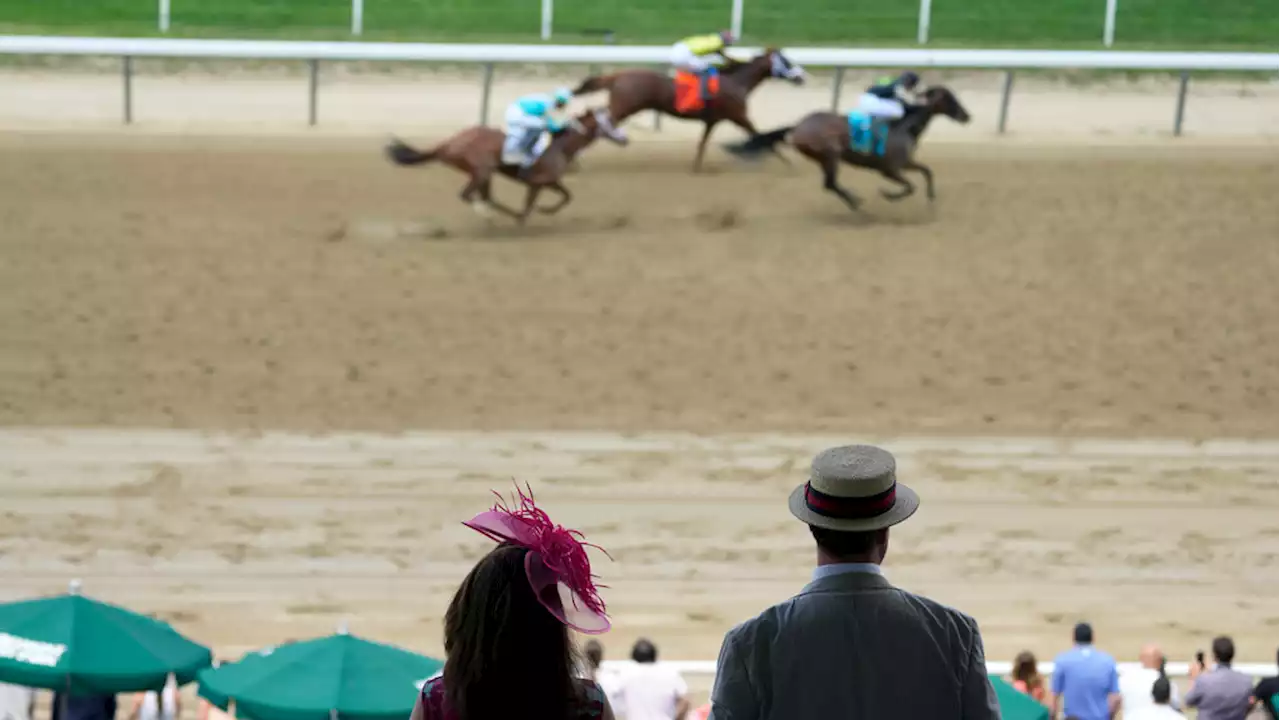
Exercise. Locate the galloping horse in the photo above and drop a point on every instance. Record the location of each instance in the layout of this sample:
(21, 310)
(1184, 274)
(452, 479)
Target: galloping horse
(477, 151)
(631, 91)
(827, 139)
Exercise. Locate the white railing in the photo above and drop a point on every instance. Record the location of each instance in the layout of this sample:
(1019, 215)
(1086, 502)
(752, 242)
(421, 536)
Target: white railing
(995, 667)
(313, 53)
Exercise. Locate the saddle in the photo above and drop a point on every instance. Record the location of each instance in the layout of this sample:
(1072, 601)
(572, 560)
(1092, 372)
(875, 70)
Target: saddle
(691, 96)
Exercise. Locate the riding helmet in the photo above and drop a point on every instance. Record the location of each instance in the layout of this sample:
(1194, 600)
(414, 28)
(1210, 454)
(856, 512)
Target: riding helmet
(563, 95)
(909, 79)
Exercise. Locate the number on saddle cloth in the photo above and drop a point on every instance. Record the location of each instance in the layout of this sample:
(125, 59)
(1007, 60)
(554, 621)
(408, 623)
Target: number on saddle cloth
(865, 134)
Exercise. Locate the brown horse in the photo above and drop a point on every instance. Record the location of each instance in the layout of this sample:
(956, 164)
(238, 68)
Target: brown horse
(631, 91)
(825, 138)
(477, 152)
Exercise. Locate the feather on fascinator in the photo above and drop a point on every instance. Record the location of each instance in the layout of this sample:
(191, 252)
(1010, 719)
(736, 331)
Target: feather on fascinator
(556, 565)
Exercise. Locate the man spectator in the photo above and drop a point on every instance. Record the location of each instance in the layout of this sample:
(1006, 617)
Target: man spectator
(1220, 693)
(83, 707)
(1085, 683)
(650, 691)
(1159, 708)
(1136, 684)
(850, 645)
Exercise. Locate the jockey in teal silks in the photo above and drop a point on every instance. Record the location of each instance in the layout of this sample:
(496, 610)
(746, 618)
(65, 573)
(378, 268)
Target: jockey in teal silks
(526, 119)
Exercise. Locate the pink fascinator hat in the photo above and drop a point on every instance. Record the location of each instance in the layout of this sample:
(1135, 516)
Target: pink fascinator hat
(556, 565)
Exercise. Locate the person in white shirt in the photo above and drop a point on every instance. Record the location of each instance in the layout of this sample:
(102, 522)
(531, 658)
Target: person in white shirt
(1159, 708)
(651, 691)
(608, 680)
(17, 702)
(1136, 684)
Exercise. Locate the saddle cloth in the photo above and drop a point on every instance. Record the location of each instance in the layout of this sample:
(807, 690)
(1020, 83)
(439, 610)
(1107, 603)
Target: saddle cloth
(689, 91)
(866, 135)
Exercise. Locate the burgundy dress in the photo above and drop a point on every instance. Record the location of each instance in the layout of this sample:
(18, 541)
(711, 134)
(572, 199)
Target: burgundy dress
(434, 706)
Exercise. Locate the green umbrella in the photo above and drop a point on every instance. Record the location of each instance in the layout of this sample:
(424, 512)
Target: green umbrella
(1015, 705)
(81, 646)
(340, 676)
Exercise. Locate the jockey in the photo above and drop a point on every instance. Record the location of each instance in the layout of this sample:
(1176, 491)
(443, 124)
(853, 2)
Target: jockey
(889, 97)
(691, 53)
(526, 119)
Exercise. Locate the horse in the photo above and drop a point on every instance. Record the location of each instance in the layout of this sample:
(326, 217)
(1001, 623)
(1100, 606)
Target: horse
(631, 91)
(826, 138)
(477, 152)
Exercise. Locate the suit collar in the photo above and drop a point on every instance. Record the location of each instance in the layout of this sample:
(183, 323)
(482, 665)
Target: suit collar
(847, 582)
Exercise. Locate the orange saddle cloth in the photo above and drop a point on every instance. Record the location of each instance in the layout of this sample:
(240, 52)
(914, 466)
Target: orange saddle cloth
(689, 91)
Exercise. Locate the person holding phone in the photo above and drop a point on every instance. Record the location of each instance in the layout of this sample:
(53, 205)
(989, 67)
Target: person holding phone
(1219, 693)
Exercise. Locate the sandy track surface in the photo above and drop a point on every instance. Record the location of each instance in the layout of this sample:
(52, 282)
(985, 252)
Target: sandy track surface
(247, 539)
(230, 283)
(168, 280)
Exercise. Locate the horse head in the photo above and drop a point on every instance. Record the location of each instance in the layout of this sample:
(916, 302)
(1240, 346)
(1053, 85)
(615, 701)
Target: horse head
(584, 129)
(780, 66)
(941, 101)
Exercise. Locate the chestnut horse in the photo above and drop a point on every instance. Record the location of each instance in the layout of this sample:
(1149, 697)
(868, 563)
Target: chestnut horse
(825, 138)
(477, 152)
(631, 91)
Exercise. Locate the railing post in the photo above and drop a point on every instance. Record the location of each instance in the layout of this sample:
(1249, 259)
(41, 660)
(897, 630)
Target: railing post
(1181, 108)
(1109, 24)
(313, 92)
(922, 26)
(548, 12)
(1005, 95)
(126, 69)
(836, 88)
(357, 17)
(484, 97)
(164, 16)
(735, 18)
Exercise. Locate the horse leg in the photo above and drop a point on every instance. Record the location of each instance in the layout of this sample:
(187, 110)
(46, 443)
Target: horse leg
(530, 198)
(895, 174)
(702, 144)
(830, 165)
(486, 194)
(926, 172)
(565, 197)
(743, 122)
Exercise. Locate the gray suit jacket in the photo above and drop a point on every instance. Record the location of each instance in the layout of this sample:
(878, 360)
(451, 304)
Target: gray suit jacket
(853, 647)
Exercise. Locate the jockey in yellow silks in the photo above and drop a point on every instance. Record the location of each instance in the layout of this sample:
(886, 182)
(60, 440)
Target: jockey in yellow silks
(694, 55)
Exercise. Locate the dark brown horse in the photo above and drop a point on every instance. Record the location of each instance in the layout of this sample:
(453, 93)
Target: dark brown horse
(631, 91)
(825, 138)
(477, 152)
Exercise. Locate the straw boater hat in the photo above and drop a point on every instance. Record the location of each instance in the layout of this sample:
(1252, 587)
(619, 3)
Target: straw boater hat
(853, 488)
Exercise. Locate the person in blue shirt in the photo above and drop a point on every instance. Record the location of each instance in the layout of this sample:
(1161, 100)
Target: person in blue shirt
(1085, 682)
(888, 98)
(526, 119)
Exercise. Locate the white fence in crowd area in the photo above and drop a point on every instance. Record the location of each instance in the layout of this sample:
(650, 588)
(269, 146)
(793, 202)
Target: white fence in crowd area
(313, 53)
(1002, 668)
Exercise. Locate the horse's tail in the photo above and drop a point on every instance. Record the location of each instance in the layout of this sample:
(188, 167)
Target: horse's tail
(595, 83)
(401, 153)
(761, 143)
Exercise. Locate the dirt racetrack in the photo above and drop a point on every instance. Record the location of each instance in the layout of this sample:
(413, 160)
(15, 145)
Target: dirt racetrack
(294, 283)
(305, 284)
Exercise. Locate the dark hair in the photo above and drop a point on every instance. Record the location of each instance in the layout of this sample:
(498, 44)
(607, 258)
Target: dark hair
(506, 655)
(644, 651)
(842, 544)
(1160, 690)
(1083, 633)
(1024, 669)
(1223, 650)
(594, 653)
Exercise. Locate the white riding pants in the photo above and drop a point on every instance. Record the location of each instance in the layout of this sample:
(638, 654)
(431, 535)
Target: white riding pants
(879, 107)
(521, 128)
(682, 58)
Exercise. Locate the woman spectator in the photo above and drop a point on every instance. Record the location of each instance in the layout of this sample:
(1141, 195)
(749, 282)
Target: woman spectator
(506, 632)
(1026, 677)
